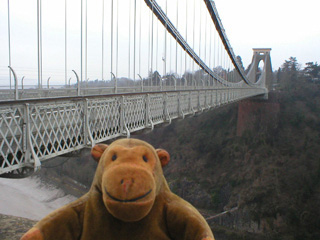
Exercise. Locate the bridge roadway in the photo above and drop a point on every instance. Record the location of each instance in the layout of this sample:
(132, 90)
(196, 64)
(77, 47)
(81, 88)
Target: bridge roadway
(35, 130)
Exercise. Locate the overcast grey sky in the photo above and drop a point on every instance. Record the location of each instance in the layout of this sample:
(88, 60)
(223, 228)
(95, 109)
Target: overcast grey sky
(289, 27)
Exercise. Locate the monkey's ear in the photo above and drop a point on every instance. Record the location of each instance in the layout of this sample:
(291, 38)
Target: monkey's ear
(163, 156)
(97, 150)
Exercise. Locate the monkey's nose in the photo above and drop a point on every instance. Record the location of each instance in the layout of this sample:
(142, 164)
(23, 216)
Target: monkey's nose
(126, 183)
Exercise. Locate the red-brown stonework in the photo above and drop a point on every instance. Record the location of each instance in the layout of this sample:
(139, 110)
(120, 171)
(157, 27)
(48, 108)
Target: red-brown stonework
(253, 112)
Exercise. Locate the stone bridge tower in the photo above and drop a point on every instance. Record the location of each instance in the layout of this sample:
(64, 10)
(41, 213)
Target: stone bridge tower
(264, 76)
(261, 111)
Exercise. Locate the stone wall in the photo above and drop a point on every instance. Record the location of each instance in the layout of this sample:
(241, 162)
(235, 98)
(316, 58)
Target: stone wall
(253, 112)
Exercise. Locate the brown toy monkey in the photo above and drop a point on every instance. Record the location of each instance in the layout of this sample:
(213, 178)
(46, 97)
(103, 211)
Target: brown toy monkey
(129, 199)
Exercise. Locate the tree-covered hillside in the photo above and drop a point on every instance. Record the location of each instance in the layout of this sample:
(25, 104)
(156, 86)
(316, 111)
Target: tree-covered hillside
(272, 171)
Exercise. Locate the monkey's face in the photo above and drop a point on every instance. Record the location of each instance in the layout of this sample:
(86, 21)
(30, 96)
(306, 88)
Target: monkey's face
(130, 177)
(129, 182)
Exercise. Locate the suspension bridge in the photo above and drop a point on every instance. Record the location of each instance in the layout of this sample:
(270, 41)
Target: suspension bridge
(149, 62)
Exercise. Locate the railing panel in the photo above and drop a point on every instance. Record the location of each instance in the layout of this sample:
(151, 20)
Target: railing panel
(12, 141)
(202, 98)
(194, 101)
(172, 105)
(157, 108)
(104, 118)
(135, 111)
(56, 128)
(184, 103)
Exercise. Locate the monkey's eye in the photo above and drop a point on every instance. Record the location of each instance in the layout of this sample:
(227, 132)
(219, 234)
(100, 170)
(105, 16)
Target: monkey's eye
(145, 158)
(114, 157)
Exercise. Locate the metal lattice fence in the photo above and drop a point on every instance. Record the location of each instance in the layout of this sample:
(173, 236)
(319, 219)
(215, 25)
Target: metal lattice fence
(36, 130)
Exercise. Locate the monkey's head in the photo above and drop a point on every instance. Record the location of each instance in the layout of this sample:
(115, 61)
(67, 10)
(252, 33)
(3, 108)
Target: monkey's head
(130, 176)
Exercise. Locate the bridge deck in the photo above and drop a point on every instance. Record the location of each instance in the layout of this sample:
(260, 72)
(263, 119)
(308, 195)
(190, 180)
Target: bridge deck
(32, 131)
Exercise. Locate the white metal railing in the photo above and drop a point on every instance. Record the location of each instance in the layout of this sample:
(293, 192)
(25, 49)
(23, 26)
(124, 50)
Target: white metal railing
(32, 131)
(63, 91)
